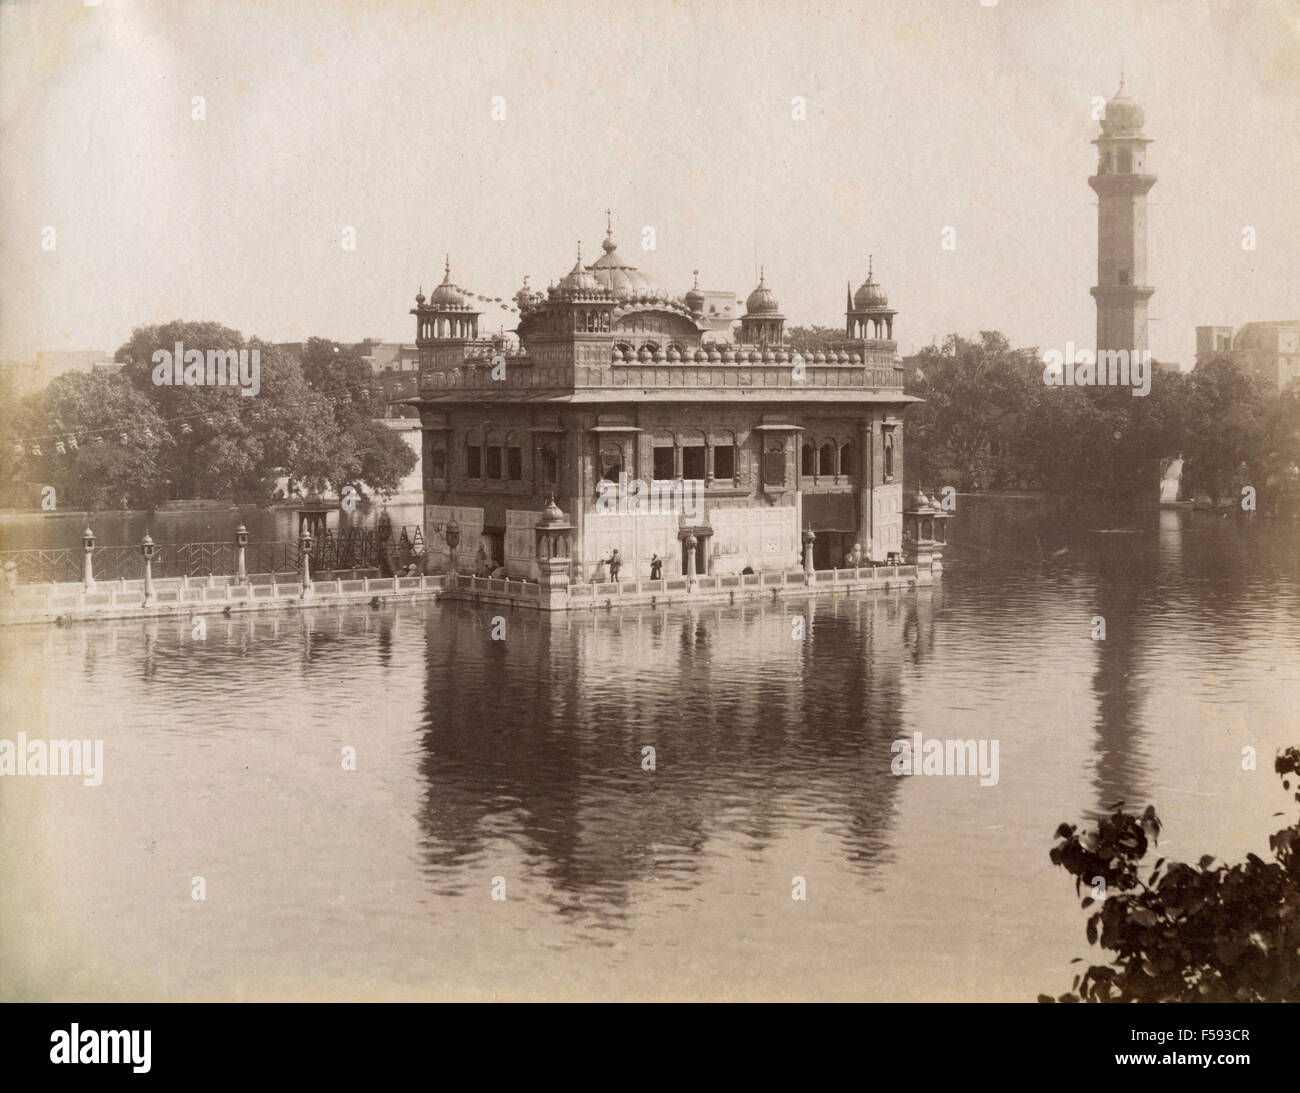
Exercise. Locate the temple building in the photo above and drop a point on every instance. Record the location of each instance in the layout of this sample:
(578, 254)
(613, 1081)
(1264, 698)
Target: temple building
(725, 444)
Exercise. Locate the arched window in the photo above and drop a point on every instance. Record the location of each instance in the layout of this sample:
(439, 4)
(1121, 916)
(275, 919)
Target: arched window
(514, 458)
(889, 454)
(826, 458)
(437, 458)
(693, 455)
(807, 460)
(723, 443)
(549, 465)
(492, 456)
(611, 460)
(473, 455)
(626, 349)
(847, 467)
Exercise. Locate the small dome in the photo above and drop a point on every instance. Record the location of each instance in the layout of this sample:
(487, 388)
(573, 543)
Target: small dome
(870, 295)
(819, 357)
(694, 299)
(700, 355)
(714, 355)
(552, 515)
(419, 297)
(1122, 115)
(761, 301)
(579, 279)
(617, 354)
(448, 295)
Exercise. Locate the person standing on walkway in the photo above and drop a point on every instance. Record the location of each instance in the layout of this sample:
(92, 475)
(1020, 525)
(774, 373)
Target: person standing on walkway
(656, 567)
(615, 564)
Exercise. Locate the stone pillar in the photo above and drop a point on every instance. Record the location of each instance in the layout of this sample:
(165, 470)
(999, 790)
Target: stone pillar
(304, 544)
(809, 537)
(87, 567)
(241, 555)
(692, 578)
(866, 463)
(147, 551)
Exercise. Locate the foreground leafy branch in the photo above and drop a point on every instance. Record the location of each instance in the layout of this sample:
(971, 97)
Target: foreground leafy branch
(1211, 932)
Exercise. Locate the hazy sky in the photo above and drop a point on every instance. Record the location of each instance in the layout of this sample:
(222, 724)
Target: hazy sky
(378, 116)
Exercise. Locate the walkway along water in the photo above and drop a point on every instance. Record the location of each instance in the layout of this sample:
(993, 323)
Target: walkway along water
(87, 599)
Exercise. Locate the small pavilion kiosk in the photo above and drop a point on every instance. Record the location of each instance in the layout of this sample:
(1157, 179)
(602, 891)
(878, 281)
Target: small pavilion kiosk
(919, 531)
(554, 535)
(313, 516)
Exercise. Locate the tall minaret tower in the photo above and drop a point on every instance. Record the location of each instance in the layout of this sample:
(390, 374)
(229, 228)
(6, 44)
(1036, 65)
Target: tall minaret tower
(1122, 183)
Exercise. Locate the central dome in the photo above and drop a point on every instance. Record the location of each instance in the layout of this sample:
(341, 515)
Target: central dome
(870, 294)
(624, 281)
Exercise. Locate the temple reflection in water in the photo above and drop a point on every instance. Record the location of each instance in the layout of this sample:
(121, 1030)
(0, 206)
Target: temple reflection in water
(745, 721)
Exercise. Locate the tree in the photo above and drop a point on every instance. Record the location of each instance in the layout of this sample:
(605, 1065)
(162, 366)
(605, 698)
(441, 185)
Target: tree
(977, 394)
(364, 453)
(1225, 428)
(112, 441)
(808, 339)
(1203, 933)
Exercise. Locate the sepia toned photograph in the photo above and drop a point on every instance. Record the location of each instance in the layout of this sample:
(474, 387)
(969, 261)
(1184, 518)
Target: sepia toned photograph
(677, 501)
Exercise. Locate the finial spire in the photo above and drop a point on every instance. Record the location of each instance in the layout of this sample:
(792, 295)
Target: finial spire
(579, 252)
(446, 266)
(1121, 77)
(609, 221)
(761, 275)
(697, 278)
(870, 263)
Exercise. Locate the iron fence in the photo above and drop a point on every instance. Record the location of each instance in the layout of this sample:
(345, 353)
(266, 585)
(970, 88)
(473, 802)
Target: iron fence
(357, 548)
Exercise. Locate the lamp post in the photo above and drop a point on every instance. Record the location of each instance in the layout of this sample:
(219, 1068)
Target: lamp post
(452, 534)
(147, 551)
(241, 546)
(87, 570)
(304, 551)
(809, 537)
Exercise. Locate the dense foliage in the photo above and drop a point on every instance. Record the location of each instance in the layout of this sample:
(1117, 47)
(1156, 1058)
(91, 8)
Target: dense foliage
(108, 441)
(990, 422)
(1209, 932)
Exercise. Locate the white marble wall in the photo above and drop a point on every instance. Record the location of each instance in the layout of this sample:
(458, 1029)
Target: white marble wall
(886, 520)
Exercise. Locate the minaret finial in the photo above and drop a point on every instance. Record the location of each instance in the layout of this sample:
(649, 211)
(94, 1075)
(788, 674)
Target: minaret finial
(1121, 77)
(446, 266)
(697, 278)
(761, 275)
(609, 221)
(579, 252)
(870, 262)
